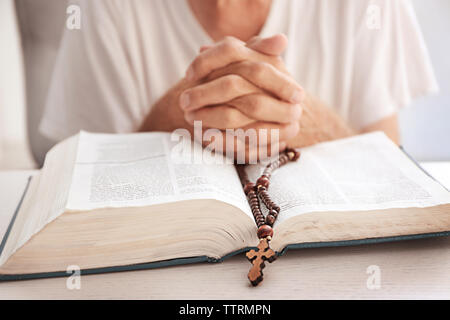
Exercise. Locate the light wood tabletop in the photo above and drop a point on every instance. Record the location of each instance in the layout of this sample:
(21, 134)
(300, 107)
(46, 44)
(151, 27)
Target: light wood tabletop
(415, 269)
(418, 269)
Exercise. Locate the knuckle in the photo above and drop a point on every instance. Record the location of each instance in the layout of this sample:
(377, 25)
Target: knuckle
(228, 117)
(254, 104)
(286, 91)
(199, 64)
(278, 63)
(231, 46)
(232, 41)
(292, 129)
(230, 82)
(229, 39)
(294, 111)
(257, 70)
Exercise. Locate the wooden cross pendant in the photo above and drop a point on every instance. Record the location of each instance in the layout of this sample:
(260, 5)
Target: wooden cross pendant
(257, 258)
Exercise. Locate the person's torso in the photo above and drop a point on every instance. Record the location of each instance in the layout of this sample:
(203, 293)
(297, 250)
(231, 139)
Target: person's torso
(166, 37)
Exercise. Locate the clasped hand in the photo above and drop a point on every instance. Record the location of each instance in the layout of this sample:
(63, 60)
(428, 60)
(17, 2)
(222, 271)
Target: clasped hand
(233, 84)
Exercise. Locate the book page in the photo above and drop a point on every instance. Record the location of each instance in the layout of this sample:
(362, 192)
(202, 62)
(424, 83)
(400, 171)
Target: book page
(45, 198)
(12, 187)
(131, 170)
(367, 172)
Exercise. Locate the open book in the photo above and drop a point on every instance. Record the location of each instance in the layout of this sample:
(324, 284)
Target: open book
(120, 202)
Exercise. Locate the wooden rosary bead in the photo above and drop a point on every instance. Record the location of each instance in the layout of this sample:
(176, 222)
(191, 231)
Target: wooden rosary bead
(270, 220)
(284, 159)
(255, 208)
(293, 154)
(265, 198)
(268, 171)
(265, 231)
(258, 216)
(249, 186)
(267, 174)
(259, 191)
(273, 213)
(263, 181)
(254, 205)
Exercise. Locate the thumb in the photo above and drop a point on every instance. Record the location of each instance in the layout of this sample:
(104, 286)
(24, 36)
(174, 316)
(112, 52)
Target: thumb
(274, 45)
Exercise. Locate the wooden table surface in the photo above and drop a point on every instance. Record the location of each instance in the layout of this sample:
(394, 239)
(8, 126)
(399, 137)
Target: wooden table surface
(416, 269)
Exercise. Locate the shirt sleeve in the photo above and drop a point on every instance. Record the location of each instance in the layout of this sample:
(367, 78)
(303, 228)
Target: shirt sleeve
(93, 85)
(391, 63)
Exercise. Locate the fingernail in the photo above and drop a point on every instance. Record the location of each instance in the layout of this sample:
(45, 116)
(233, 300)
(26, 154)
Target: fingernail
(184, 100)
(297, 96)
(190, 73)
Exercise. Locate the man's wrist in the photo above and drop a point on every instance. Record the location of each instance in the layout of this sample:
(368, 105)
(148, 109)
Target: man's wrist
(319, 123)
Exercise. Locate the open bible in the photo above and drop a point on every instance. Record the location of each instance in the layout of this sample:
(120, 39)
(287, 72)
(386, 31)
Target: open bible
(108, 202)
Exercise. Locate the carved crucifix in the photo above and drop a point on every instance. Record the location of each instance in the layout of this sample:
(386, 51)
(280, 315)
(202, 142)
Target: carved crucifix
(257, 258)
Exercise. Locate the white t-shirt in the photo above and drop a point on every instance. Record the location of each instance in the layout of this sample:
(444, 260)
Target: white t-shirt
(127, 54)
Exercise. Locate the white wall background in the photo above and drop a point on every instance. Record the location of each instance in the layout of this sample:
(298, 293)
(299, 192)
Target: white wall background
(425, 126)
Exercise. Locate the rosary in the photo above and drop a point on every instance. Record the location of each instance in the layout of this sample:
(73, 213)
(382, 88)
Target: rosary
(265, 232)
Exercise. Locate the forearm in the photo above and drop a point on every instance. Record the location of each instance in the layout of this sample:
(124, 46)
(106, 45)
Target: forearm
(388, 125)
